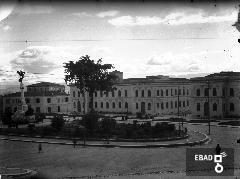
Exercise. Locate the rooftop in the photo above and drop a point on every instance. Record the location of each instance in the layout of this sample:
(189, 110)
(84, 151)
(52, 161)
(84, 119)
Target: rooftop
(45, 84)
(32, 94)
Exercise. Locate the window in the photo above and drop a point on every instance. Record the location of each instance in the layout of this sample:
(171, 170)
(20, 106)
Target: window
(175, 91)
(136, 93)
(7, 101)
(73, 93)
(37, 100)
(49, 109)
(113, 93)
(74, 104)
(171, 104)
(95, 93)
(59, 100)
(162, 106)
(107, 105)
(214, 92)
(125, 92)
(126, 105)
(179, 104)
(183, 91)
(158, 105)
(187, 103)
(224, 107)
(183, 103)
(48, 100)
(158, 93)
(106, 93)
(95, 104)
(101, 104)
(171, 92)
(167, 105)
(15, 109)
(136, 105)
(231, 107)
(166, 92)
(38, 110)
(27, 100)
(66, 99)
(206, 92)
(113, 105)
(198, 106)
(198, 92)
(231, 92)
(179, 91)
(149, 93)
(214, 107)
(58, 108)
(101, 94)
(79, 94)
(142, 93)
(187, 91)
(120, 105)
(175, 104)
(149, 106)
(119, 93)
(161, 92)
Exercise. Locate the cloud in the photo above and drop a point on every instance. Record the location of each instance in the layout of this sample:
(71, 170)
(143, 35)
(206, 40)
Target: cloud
(107, 13)
(34, 60)
(174, 18)
(6, 28)
(82, 14)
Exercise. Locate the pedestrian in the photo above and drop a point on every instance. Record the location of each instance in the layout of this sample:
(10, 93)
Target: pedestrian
(74, 142)
(218, 149)
(39, 147)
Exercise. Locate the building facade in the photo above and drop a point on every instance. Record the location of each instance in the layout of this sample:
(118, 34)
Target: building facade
(42, 97)
(162, 95)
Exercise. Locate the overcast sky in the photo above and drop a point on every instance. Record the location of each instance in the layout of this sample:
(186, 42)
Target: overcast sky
(140, 39)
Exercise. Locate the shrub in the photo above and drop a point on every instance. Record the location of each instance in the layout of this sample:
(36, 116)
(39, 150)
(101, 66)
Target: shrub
(58, 122)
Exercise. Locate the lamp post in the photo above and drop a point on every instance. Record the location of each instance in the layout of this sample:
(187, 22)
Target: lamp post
(208, 101)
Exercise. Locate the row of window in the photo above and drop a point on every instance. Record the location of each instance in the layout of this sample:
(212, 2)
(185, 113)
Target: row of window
(214, 92)
(38, 109)
(215, 107)
(37, 100)
(149, 106)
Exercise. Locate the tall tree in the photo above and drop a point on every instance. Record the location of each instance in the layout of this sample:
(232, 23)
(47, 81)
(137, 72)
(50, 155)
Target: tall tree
(89, 76)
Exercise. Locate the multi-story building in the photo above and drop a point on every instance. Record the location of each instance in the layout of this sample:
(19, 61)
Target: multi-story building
(43, 97)
(220, 90)
(162, 95)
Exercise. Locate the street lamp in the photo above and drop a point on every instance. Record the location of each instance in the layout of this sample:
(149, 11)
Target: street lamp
(208, 101)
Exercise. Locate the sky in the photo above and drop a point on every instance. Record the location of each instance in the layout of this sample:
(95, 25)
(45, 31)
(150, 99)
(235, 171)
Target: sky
(139, 39)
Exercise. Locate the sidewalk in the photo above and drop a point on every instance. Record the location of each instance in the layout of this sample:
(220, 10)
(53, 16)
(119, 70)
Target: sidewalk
(195, 138)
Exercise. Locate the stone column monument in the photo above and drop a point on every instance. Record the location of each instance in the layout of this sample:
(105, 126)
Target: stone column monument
(23, 106)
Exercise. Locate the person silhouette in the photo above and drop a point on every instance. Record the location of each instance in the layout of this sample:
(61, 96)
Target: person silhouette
(218, 149)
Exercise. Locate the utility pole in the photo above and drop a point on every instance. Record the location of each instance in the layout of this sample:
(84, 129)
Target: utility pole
(179, 127)
(208, 99)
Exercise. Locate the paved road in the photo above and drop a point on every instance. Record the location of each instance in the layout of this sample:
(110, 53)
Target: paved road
(65, 161)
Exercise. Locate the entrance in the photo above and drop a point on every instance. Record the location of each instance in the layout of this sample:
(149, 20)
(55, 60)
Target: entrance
(206, 109)
(143, 107)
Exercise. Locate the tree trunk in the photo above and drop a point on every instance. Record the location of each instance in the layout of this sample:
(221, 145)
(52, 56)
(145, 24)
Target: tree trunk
(91, 101)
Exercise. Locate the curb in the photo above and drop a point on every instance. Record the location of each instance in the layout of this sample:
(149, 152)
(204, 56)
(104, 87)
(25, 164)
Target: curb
(199, 142)
(26, 174)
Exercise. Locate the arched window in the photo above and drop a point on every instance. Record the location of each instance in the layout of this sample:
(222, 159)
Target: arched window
(231, 92)
(171, 104)
(107, 105)
(74, 104)
(136, 105)
(101, 104)
(119, 93)
(125, 93)
(78, 93)
(149, 93)
(142, 93)
(158, 93)
(162, 106)
(166, 92)
(74, 93)
(214, 92)
(95, 104)
(214, 107)
(206, 93)
(198, 92)
(79, 106)
(231, 107)
(136, 93)
(101, 94)
(161, 92)
(175, 104)
(120, 105)
(149, 106)
(106, 93)
(113, 105)
(126, 105)
(167, 105)
(95, 93)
